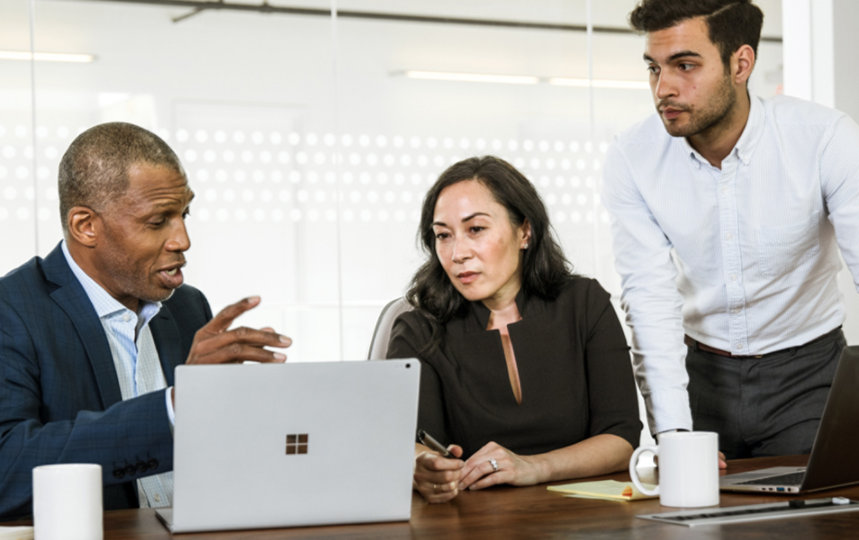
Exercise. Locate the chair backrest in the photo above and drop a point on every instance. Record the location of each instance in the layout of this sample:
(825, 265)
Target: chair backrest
(382, 333)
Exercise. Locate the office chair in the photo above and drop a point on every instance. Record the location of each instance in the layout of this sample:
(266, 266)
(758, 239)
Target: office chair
(382, 333)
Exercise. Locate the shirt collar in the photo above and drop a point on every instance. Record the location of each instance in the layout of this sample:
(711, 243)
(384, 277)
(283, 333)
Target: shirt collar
(748, 140)
(106, 305)
(745, 147)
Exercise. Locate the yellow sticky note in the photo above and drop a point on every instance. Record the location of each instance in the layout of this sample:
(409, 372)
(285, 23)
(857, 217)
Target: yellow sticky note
(16, 533)
(603, 489)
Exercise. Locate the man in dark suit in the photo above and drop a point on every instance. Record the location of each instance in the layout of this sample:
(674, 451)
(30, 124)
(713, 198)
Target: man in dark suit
(90, 335)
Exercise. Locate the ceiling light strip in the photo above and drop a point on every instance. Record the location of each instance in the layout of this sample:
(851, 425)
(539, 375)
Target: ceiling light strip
(28, 56)
(522, 79)
(471, 77)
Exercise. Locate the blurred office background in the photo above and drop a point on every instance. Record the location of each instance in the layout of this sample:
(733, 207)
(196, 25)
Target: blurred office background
(311, 129)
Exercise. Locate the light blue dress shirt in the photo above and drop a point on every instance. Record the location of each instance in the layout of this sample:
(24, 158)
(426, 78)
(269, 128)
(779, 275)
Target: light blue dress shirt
(135, 357)
(742, 258)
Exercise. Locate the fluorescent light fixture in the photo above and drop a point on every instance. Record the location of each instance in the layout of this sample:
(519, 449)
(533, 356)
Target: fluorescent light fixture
(599, 83)
(471, 77)
(522, 79)
(28, 56)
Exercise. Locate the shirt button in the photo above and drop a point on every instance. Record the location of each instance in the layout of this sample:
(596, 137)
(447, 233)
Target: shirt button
(729, 236)
(738, 346)
(733, 277)
(157, 498)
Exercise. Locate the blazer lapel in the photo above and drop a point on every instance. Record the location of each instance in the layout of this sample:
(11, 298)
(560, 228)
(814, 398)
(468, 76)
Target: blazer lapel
(165, 333)
(71, 298)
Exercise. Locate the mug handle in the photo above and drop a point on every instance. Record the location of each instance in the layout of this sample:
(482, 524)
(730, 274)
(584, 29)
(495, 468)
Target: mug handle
(633, 473)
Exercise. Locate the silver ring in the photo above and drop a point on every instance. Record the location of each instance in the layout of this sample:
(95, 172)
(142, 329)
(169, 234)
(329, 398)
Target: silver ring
(494, 464)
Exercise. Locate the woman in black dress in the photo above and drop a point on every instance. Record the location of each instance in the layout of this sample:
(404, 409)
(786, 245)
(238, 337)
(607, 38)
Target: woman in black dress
(525, 370)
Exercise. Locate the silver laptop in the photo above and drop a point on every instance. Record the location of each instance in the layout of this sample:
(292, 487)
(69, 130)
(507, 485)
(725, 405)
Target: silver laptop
(293, 444)
(832, 462)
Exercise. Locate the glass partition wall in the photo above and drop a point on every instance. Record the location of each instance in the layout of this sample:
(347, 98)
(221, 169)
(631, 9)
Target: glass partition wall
(310, 130)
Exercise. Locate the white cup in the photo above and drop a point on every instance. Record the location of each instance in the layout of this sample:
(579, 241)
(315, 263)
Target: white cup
(67, 502)
(688, 469)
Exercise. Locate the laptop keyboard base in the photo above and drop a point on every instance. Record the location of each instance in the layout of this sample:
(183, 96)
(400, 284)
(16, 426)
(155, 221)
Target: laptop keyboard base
(790, 479)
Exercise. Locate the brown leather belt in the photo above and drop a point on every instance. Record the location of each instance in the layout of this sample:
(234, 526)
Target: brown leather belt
(706, 348)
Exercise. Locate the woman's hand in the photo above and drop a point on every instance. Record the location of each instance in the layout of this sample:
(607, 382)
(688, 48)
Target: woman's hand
(436, 478)
(493, 464)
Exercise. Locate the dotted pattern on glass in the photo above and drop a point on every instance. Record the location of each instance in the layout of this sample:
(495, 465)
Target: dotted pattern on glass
(260, 177)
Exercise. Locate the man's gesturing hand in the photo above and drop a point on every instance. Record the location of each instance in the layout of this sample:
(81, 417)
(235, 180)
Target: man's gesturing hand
(214, 343)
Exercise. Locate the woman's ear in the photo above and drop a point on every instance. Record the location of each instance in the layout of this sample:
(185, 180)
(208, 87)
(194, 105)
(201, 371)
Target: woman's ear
(525, 235)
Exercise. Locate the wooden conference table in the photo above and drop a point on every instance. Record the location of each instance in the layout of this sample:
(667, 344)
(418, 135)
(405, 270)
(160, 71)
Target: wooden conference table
(534, 512)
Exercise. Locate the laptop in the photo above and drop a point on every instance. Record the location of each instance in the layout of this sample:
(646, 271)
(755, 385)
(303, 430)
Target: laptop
(295, 444)
(832, 462)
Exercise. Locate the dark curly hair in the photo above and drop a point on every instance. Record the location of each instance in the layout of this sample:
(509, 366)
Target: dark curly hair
(731, 23)
(544, 267)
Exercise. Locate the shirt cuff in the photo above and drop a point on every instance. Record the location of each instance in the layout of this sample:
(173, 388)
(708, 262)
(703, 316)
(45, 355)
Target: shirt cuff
(668, 409)
(171, 413)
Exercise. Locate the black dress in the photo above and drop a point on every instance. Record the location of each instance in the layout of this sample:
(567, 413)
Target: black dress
(574, 370)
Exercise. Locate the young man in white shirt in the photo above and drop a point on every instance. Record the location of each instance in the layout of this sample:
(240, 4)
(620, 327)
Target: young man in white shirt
(727, 215)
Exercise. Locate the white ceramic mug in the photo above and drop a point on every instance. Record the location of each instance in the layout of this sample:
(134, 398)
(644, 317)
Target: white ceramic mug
(688, 469)
(67, 502)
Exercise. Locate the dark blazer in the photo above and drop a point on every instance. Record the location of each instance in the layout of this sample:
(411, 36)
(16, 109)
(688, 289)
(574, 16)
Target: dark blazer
(59, 395)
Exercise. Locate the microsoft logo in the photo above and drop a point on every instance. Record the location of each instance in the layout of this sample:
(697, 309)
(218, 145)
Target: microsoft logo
(296, 443)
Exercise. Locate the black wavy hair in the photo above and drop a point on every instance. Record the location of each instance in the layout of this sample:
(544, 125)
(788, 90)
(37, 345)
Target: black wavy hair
(544, 267)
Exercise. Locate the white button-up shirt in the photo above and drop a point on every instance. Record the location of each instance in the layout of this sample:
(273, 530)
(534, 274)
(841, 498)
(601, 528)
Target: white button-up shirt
(741, 258)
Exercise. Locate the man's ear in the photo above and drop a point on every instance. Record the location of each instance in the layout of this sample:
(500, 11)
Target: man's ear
(84, 226)
(742, 64)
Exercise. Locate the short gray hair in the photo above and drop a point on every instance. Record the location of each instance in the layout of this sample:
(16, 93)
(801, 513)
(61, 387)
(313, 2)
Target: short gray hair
(94, 170)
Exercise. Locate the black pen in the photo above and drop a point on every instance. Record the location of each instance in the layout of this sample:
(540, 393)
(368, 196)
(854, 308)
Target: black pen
(428, 440)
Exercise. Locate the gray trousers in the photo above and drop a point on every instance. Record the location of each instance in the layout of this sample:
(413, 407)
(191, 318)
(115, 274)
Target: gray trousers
(765, 406)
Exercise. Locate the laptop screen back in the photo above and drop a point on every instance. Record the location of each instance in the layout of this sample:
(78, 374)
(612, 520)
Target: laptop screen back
(833, 458)
(294, 444)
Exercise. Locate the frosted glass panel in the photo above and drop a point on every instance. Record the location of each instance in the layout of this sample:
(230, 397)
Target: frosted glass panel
(308, 145)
